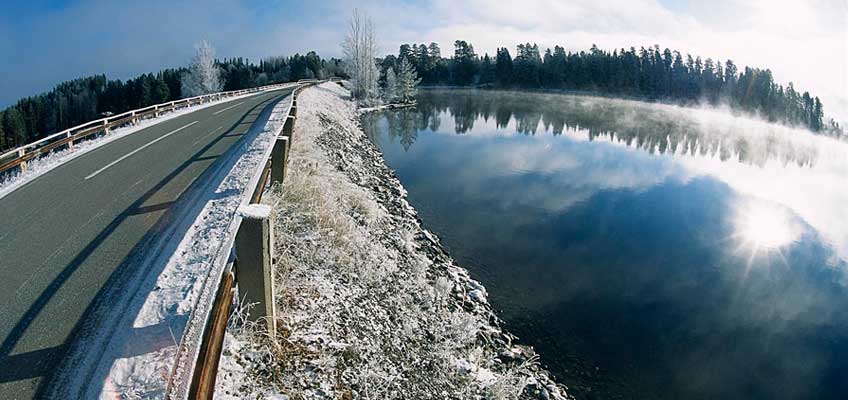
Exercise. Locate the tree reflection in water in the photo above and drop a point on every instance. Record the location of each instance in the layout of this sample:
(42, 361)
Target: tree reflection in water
(655, 128)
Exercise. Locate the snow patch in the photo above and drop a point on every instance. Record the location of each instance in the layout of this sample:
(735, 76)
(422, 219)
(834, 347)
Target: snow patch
(255, 211)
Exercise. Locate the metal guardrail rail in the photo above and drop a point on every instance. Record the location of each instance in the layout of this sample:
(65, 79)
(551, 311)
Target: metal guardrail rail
(196, 368)
(20, 156)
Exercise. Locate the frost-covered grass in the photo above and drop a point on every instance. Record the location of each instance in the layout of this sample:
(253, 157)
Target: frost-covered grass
(370, 306)
(139, 326)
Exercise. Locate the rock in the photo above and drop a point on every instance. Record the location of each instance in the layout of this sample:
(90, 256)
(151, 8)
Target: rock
(478, 296)
(509, 356)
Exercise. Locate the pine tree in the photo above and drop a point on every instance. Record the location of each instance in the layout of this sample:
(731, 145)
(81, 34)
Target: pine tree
(423, 64)
(503, 67)
(487, 70)
(818, 115)
(3, 145)
(466, 62)
(434, 51)
(146, 91)
(391, 88)
(438, 70)
(407, 81)
(14, 126)
(405, 52)
(160, 92)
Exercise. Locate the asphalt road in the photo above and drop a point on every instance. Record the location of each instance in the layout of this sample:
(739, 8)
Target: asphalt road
(63, 235)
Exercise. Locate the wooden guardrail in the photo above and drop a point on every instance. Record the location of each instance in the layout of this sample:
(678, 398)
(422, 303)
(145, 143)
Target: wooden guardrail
(251, 271)
(18, 158)
(195, 371)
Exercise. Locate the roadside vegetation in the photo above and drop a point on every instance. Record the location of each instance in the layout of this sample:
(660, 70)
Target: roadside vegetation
(370, 305)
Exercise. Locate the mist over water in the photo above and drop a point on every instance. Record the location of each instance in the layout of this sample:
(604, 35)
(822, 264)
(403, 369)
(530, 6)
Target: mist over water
(646, 251)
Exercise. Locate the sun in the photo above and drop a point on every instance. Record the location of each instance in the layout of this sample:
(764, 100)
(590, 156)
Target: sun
(763, 225)
(765, 228)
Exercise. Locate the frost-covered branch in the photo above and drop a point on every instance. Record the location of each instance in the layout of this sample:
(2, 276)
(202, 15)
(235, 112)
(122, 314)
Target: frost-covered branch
(203, 76)
(360, 51)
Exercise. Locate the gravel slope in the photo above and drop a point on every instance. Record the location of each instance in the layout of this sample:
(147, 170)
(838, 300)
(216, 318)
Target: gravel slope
(370, 304)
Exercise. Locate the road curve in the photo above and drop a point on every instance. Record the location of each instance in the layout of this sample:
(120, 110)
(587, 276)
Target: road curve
(64, 234)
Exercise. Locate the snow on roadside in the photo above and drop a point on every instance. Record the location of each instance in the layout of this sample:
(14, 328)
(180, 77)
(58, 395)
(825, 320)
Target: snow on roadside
(42, 165)
(137, 349)
(370, 304)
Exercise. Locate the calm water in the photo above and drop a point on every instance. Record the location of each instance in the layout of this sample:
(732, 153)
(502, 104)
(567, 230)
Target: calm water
(645, 251)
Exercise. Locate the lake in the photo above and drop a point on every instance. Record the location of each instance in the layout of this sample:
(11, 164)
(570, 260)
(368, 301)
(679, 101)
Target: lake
(645, 251)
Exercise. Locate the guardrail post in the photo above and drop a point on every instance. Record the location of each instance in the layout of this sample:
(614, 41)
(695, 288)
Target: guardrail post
(288, 127)
(134, 119)
(23, 164)
(70, 140)
(156, 111)
(279, 159)
(254, 251)
(106, 127)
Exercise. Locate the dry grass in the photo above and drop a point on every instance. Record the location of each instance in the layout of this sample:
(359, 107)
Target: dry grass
(364, 313)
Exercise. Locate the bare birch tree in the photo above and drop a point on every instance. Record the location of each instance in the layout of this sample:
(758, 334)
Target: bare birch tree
(360, 52)
(203, 75)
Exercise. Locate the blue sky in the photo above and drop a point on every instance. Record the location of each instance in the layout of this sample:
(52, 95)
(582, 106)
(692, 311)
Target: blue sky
(44, 42)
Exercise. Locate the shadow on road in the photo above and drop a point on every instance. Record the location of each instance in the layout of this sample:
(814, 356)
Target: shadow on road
(44, 362)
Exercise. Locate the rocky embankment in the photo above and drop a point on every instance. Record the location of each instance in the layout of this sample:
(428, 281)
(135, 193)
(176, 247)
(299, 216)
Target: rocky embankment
(370, 304)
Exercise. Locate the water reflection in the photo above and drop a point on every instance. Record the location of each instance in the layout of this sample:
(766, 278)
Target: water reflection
(792, 164)
(712, 270)
(655, 128)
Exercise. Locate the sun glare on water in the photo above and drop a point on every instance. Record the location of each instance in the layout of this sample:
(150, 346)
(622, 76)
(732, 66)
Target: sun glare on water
(764, 226)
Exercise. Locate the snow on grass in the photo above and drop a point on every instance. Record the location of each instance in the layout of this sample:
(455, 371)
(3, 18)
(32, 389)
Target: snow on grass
(138, 334)
(370, 306)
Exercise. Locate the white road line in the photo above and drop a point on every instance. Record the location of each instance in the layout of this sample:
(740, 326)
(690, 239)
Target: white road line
(220, 111)
(93, 174)
(207, 135)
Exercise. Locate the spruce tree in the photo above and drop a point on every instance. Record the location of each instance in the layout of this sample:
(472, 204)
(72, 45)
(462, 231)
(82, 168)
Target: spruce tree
(13, 125)
(487, 70)
(407, 81)
(3, 145)
(391, 88)
(503, 67)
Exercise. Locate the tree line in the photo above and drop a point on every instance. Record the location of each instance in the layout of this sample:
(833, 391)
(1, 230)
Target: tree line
(648, 73)
(80, 100)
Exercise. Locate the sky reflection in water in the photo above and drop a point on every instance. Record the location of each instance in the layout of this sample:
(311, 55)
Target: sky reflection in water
(646, 251)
